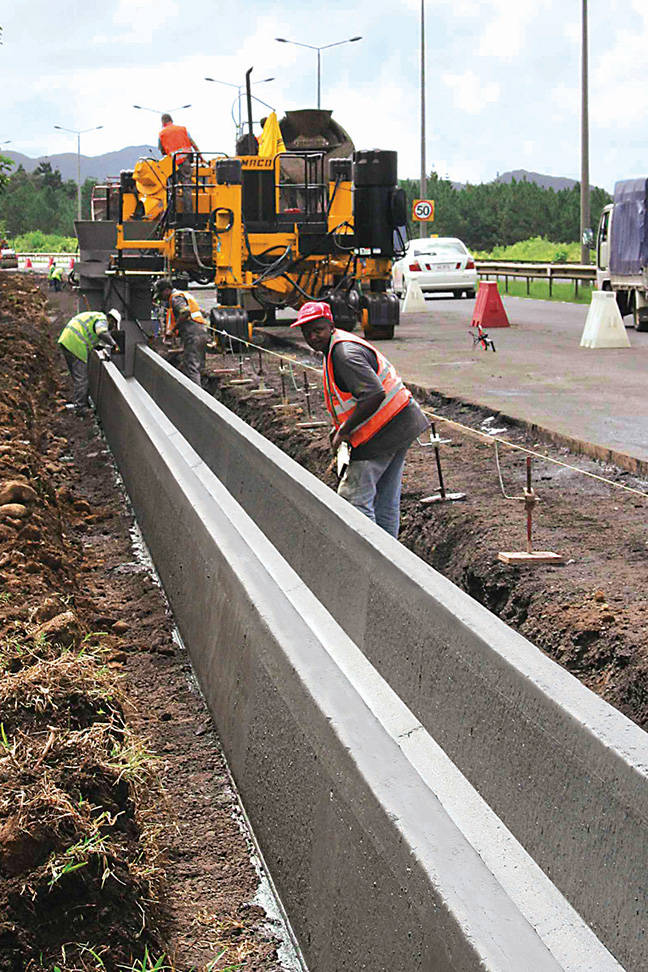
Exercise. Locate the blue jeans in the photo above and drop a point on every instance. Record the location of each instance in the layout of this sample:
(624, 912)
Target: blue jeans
(373, 486)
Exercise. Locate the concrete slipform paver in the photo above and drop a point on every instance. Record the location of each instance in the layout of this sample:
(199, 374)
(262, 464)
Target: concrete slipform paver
(538, 375)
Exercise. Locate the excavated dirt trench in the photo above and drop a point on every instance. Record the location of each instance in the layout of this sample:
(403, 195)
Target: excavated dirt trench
(588, 614)
(118, 829)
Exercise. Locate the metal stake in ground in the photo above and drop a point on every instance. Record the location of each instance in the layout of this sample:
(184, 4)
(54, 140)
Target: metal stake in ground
(310, 424)
(529, 556)
(285, 406)
(442, 496)
(307, 396)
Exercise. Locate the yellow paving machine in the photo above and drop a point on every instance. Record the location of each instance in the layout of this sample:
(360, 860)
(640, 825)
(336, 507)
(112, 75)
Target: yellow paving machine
(318, 220)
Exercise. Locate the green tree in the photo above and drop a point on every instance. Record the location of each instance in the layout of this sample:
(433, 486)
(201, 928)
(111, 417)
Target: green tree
(495, 214)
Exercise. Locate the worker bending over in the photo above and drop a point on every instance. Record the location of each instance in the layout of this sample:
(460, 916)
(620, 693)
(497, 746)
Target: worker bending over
(82, 333)
(185, 319)
(176, 140)
(55, 277)
(371, 409)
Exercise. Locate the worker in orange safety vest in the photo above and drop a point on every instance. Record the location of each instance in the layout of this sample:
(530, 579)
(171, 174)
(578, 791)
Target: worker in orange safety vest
(372, 411)
(185, 318)
(176, 140)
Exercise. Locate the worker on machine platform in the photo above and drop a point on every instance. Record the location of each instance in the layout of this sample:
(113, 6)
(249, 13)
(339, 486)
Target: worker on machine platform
(372, 411)
(185, 318)
(176, 140)
(80, 335)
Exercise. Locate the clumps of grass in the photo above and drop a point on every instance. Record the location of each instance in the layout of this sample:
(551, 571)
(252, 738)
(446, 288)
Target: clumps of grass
(79, 857)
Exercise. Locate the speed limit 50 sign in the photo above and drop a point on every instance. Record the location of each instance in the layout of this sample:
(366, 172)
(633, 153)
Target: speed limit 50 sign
(423, 210)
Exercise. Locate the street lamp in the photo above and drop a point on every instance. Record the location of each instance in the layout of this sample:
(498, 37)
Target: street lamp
(324, 47)
(585, 187)
(75, 131)
(239, 88)
(156, 111)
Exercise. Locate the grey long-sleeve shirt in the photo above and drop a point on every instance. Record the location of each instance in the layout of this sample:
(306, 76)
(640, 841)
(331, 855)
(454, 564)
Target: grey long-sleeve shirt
(356, 372)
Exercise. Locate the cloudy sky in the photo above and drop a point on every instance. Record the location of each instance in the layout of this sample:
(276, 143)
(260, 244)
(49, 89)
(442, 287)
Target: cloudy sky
(502, 92)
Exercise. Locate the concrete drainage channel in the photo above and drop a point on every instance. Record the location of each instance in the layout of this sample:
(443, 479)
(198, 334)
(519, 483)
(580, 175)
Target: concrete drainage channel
(429, 791)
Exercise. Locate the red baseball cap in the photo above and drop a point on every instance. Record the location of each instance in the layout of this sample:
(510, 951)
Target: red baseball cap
(312, 311)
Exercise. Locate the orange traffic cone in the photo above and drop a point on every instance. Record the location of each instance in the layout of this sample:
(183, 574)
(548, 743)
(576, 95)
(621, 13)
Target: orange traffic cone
(489, 309)
(50, 262)
(71, 264)
(28, 264)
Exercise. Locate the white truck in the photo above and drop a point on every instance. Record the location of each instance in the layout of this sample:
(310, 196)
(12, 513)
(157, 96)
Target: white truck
(622, 250)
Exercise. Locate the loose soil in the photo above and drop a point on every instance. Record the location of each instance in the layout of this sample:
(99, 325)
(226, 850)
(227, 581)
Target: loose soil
(118, 822)
(588, 614)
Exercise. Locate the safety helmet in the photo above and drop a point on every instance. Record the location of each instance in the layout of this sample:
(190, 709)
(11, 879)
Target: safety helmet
(161, 285)
(114, 313)
(312, 311)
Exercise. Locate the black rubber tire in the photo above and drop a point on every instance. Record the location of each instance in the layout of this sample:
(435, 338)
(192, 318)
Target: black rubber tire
(640, 317)
(346, 325)
(379, 333)
(471, 294)
(457, 294)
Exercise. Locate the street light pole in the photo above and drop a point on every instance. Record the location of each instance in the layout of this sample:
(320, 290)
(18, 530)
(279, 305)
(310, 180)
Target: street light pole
(423, 182)
(157, 111)
(75, 131)
(323, 47)
(239, 88)
(319, 79)
(585, 179)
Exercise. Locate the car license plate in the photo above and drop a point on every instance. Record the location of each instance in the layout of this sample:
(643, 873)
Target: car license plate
(440, 266)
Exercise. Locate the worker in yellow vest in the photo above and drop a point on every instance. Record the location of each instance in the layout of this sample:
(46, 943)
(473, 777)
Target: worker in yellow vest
(184, 319)
(372, 412)
(55, 275)
(81, 334)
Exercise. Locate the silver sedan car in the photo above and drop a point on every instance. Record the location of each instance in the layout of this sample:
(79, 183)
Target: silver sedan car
(436, 264)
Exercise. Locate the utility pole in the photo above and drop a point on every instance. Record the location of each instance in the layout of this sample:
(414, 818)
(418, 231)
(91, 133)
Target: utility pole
(423, 184)
(585, 179)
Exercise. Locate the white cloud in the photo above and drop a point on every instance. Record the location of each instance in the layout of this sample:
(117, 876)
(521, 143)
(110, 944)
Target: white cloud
(505, 34)
(619, 81)
(469, 94)
(565, 100)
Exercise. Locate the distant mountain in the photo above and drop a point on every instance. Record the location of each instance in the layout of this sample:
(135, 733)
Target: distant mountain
(100, 166)
(546, 181)
(92, 167)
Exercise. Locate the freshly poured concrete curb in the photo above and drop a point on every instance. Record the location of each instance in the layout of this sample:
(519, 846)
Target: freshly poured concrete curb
(338, 776)
(562, 769)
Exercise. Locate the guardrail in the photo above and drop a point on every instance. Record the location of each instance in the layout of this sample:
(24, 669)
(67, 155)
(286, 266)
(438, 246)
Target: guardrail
(576, 272)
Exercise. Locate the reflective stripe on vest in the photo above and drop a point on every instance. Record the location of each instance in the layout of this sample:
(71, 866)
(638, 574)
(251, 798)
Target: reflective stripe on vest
(175, 139)
(79, 334)
(194, 310)
(341, 405)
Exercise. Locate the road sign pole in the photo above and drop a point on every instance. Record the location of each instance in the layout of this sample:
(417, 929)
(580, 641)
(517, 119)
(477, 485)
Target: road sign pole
(423, 185)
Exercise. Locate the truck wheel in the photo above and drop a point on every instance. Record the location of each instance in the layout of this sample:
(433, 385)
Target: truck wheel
(379, 333)
(640, 316)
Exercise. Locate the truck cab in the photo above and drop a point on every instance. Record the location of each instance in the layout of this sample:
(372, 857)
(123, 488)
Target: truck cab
(603, 249)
